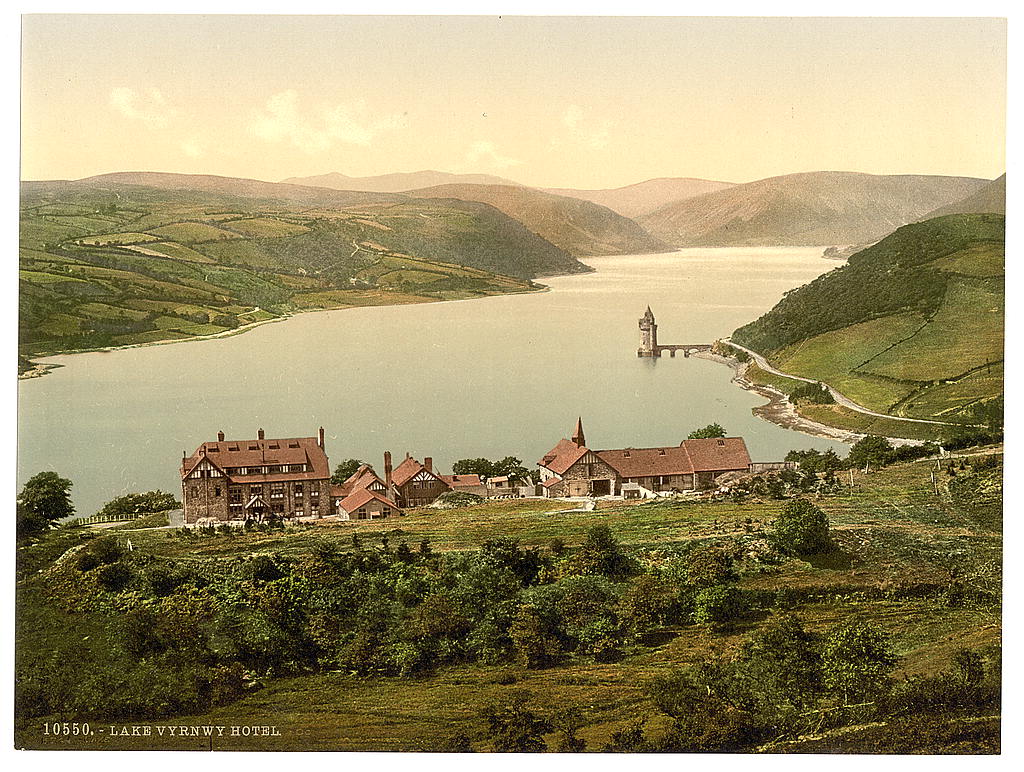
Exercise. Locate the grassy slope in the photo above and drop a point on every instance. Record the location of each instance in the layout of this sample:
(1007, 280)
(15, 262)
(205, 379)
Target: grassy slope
(893, 530)
(212, 257)
(905, 317)
(579, 227)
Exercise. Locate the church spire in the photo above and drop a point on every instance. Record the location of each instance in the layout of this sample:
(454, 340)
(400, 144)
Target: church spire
(577, 436)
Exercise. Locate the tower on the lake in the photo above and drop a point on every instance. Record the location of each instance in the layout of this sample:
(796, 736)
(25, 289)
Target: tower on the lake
(648, 335)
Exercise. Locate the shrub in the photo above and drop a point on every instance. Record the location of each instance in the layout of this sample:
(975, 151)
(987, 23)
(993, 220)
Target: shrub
(515, 728)
(717, 605)
(114, 576)
(456, 500)
(802, 528)
(856, 660)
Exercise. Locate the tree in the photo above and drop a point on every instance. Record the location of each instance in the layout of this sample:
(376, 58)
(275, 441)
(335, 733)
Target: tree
(782, 662)
(601, 554)
(708, 432)
(345, 469)
(45, 499)
(856, 660)
(872, 450)
(513, 727)
(480, 466)
(802, 528)
(140, 503)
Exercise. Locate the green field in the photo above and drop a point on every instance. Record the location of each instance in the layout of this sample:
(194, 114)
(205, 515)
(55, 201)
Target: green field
(899, 548)
(911, 326)
(212, 259)
(835, 358)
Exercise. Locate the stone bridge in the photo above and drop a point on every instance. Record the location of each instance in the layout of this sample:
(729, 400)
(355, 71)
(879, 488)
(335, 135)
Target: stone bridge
(672, 348)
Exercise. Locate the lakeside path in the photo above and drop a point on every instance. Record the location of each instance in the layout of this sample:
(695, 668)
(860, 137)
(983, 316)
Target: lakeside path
(839, 397)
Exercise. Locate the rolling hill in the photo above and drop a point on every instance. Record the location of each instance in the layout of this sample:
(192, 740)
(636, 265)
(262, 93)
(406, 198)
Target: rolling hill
(105, 263)
(807, 209)
(397, 182)
(644, 197)
(911, 326)
(990, 198)
(579, 227)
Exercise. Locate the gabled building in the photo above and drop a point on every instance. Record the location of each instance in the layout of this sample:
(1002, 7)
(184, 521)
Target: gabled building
(413, 484)
(572, 469)
(466, 483)
(256, 479)
(366, 504)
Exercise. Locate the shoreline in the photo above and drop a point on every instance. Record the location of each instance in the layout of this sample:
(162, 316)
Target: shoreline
(781, 412)
(40, 369)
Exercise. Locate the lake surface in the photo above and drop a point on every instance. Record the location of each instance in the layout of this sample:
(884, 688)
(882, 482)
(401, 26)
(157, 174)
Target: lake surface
(492, 377)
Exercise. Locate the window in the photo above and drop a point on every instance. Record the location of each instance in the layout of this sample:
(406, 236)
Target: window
(235, 495)
(216, 490)
(277, 490)
(314, 492)
(255, 490)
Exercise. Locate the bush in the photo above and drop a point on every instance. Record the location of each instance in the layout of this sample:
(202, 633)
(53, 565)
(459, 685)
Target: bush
(816, 393)
(515, 728)
(456, 500)
(140, 504)
(717, 605)
(114, 576)
(802, 529)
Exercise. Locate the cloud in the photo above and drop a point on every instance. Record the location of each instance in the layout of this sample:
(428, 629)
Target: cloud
(578, 130)
(151, 108)
(282, 120)
(484, 153)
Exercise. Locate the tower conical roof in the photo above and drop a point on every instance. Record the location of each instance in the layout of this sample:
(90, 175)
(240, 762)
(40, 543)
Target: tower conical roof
(577, 435)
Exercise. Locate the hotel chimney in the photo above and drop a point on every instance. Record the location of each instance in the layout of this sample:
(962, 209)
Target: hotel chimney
(428, 464)
(220, 436)
(387, 469)
(320, 441)
(259, 434)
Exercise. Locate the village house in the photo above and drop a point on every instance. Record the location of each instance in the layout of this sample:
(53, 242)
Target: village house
(238, 480)
(572, 469)
(466, 483)
(363, 496)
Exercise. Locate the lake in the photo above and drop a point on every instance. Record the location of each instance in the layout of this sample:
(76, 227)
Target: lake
(492, 377)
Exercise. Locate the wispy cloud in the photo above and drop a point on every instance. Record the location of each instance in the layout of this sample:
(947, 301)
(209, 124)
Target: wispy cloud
(150, 107)
(282, 120)
(484, 153)
(578, 129)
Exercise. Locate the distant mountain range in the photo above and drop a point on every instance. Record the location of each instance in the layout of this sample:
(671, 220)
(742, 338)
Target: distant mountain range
(397, 182)
(811, 208)
(990, 198)
(643, 197)
(579, 227)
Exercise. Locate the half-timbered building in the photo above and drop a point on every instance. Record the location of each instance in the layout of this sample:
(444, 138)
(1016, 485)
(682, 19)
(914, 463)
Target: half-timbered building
(256, 479)
(572, 469)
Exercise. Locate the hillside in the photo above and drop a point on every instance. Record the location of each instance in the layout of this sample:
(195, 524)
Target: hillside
(390, 635)
(644, 197)
(990, 198)
(579, 227)
(808, 209)
(107, 263)
(911, 326)
(397, 182)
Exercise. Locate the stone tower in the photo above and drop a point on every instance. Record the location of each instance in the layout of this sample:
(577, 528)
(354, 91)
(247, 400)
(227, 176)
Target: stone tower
(577, 435)
(648, 335)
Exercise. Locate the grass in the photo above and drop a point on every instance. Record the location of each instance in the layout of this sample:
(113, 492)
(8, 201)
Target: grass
(834, 357)
(894, 531)
(950, 400)
(192, 232)
(966, 332)
(844, 418)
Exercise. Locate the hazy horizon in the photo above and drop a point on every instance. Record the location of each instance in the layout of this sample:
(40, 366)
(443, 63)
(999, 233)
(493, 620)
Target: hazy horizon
(586, 103)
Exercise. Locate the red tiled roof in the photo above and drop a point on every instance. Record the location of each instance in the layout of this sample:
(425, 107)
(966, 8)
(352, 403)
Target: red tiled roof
(462, 480)
(562, 456)
(268, 452)
(706, 455)
(716, 455)
(361, 497)
(648, 462)
(551, 482)
(363, 477)
(409, 469)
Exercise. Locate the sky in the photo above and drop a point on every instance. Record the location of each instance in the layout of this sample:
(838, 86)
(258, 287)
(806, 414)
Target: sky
(585, 102)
